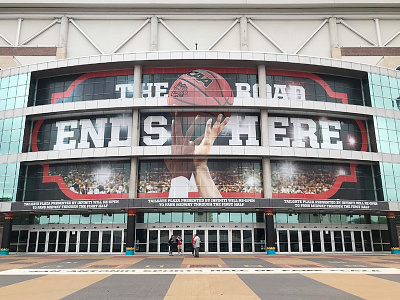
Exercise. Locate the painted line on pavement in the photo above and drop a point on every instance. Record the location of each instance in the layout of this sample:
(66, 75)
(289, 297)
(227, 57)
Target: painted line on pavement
(204, 271)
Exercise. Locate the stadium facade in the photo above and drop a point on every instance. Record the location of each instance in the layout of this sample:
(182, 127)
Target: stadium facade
(262, 127)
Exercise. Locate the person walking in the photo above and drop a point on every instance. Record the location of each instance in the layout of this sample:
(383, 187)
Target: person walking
(170, 244)
(179, 242)
(196, 246)
(194, 235)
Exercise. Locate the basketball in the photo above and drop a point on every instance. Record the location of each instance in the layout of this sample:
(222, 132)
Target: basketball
(200, 88)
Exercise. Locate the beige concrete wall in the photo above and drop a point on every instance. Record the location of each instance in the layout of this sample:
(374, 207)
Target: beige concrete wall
(7, 62)
(390, 62)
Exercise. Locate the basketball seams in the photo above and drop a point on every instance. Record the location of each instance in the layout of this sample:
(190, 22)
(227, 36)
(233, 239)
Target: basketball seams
(198, 88)
(194, 85)
(220, 87)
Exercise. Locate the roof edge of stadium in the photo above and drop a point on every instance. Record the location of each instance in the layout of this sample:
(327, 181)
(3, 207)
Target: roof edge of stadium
(191, 57)
(201, 4)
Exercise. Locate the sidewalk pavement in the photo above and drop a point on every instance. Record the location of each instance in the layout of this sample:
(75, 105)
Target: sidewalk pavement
(337, 276)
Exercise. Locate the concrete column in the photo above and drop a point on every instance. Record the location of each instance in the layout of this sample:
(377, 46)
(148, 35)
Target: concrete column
(264, 128)
(63, 39)
(7, 231)
(266, 162)
(137, 82)
(267, 182)
(137, 93)
(334, 39)
(394, 239)
(134, 161)
(244, 40)
(154, 34)
(131, 232)
(262, 82)
(270, 231)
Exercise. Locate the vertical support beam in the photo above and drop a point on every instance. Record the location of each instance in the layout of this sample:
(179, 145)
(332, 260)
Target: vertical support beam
(270, 231)
(394, 239)
(137, 91)
(63, 39)
(137, 82)
(334, 38)
(267, 183)
(131, 232)
(154, 34)
(7, 230)
(244, 40)
(266, 162)
(133, 178)
(378, 32)
(262, 82)
(17, 35)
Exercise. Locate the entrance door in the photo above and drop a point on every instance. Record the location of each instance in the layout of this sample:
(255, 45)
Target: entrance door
(212, 240)
(223, 241)
(187, 241)
(72, 241)
(94, 241)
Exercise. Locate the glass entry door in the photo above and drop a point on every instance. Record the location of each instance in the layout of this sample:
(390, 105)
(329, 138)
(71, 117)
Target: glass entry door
(212, 240)
(72, 241)
(323, 240)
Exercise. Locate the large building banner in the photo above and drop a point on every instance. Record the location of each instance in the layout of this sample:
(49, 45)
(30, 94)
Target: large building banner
(193, 86)
(82, 133)
(317, 132)
(320, 180)
(193, 178)
(72, 181)
(241, 129)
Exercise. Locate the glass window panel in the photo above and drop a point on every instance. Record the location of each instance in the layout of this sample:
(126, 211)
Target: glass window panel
(165, 217)
(74, 219)
(54, 219)
(200, 217)
(188, 217)
(119, 218)
(293, 218)
(85, 219)
(64, 219)
(223, 217)
(107, 218)
(212, 217)
(325, 218)
(154, 218)
(96, 218)
(235, 217)
(281, 218)
(44, 220)
(247, 217)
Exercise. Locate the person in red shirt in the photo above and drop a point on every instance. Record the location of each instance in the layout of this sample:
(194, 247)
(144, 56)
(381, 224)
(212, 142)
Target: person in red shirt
(193, 244)
(179, 242)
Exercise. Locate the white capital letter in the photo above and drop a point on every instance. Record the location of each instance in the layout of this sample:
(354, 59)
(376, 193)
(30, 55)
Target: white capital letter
(123, 88)
(62, 134)
(280, 92)
(243, 90)
(158, 87)
(97, 136)
(245, 125)
(118, 125)
(147, 91)
(273, 132)
(301, 133)
(162, 133)
(328, 135)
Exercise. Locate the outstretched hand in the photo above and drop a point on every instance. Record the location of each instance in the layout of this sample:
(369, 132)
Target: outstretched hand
(210, 135)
